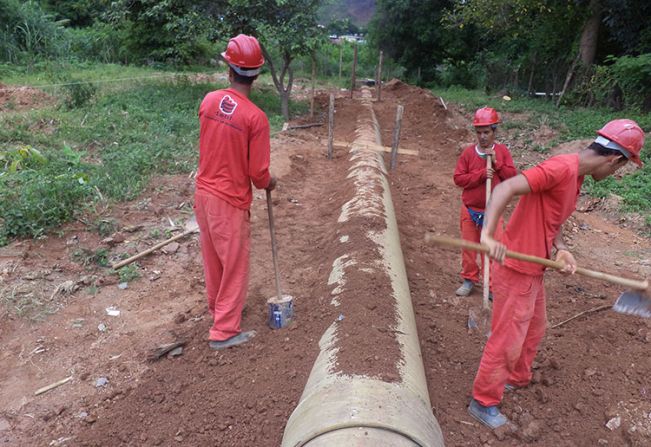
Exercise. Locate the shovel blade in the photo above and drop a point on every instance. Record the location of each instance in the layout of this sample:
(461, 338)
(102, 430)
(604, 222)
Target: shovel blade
(633, 303)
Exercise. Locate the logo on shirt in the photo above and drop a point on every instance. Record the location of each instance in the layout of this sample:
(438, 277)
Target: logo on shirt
(227, 105)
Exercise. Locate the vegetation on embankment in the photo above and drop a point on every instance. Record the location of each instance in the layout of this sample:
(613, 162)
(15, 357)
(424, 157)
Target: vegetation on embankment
(99, 141)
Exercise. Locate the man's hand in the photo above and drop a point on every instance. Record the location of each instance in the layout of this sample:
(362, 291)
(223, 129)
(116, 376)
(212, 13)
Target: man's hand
(490, 172)
(566, 258)
(497, 249)
(272, 184)
(489, 151)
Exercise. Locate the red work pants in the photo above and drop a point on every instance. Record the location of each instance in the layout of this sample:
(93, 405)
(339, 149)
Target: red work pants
(470, 231)
(518, 325)
(225, 242)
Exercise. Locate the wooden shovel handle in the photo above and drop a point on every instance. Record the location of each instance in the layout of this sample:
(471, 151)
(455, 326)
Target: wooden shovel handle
(460, 243)
(150, 249)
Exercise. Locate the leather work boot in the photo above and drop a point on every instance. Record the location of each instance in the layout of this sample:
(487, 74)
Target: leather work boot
(235, 340)
(465, 288)
(491, 416)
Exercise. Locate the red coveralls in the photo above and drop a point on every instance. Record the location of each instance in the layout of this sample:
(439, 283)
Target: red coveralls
(519, 314)
(234, 150)
(470, 174)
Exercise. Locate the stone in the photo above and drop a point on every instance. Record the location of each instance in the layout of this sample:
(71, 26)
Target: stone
(614, 423)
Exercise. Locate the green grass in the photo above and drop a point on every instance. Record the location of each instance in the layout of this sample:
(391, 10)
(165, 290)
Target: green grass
(571, 124)
(105, 146)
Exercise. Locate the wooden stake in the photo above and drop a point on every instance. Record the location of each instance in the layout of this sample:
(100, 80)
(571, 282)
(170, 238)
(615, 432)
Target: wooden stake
(443, 103)
(396, 137)
(331, 124)
(313, 84)
(341, 58)
(378, 79)
(52, 386)
(352, 82)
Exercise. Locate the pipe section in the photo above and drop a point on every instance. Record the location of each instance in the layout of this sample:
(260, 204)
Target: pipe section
(338, 408)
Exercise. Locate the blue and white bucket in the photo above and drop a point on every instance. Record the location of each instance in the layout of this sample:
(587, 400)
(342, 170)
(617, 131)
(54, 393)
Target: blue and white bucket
(281, 311)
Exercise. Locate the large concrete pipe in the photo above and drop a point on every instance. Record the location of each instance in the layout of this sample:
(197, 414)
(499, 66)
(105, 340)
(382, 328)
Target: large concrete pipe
(345, 404)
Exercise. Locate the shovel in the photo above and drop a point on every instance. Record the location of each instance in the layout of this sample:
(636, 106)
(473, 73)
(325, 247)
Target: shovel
(281, 310)
(633, 302)
(191, 226)
(482, 320)
(274, 249)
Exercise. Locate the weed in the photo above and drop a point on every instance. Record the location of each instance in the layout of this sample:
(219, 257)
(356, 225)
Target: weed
(79, 93)
(129, 272)
(105, 227)
(87, 257)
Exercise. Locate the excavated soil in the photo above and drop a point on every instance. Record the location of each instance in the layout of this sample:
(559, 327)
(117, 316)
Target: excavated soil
(589, 371)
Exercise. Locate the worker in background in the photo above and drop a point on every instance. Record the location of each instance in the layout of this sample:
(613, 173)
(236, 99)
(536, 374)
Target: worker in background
(548, 197)
(234, 152)
(471, 174)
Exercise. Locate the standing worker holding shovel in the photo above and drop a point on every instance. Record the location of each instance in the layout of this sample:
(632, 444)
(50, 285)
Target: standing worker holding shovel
(548, 197)
(234, 151)
(478, 165)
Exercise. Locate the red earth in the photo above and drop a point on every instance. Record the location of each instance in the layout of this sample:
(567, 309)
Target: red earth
(53, 301)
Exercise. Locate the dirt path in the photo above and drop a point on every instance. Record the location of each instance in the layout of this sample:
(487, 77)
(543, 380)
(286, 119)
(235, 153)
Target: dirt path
(588, 371)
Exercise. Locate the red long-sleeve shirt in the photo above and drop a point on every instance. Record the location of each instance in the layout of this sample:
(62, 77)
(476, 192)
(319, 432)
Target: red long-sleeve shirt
(234, 147)
(470, 174)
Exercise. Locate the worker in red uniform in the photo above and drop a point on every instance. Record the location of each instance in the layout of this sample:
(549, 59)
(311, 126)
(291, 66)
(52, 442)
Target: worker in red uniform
(548, 196)
(234, 152)
(471, 174)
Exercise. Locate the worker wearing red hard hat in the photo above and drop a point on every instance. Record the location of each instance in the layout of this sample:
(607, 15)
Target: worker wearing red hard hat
(470, 174)
(548, 194)
(234, 151)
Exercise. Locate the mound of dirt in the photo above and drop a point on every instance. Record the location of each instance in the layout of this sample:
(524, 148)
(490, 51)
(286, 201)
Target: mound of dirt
(14, 98)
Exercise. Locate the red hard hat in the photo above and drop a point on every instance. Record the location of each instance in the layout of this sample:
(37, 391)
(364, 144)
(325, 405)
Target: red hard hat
(486, 116)
(624, 136)
(244, 54)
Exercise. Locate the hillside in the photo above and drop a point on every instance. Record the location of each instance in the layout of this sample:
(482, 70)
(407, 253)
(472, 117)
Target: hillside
(359, 11)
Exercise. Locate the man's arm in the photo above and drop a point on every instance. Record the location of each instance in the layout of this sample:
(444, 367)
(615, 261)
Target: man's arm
(259, 156)
(501, 196)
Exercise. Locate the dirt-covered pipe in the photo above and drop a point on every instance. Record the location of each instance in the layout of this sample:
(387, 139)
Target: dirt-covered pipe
(367, 386)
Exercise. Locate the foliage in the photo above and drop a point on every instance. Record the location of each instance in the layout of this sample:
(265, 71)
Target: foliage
(175, 31)
(26, 32)
(79, 93)
(129, 272)
(286, 30)
(78, 13)
(409, 32)
(104, 150)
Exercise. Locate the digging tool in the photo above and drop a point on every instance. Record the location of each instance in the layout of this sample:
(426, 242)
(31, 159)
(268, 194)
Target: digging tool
(486, 269)
(274, 250)
(634, 302)
(191, 227)
(281, 310)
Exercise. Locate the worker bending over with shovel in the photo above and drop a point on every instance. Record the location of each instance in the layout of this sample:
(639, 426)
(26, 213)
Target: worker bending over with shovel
(471, 174)
(234, 150)
(549, 192)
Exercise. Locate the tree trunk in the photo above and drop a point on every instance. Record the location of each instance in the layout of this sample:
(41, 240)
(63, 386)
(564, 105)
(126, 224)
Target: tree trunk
(590, 34)
(284, 105)
(587, 45)
(279, 79)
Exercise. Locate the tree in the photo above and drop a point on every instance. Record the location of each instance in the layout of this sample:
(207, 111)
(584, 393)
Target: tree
(174, 31)
(80, 13)
(409, 32)
(286, 29)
